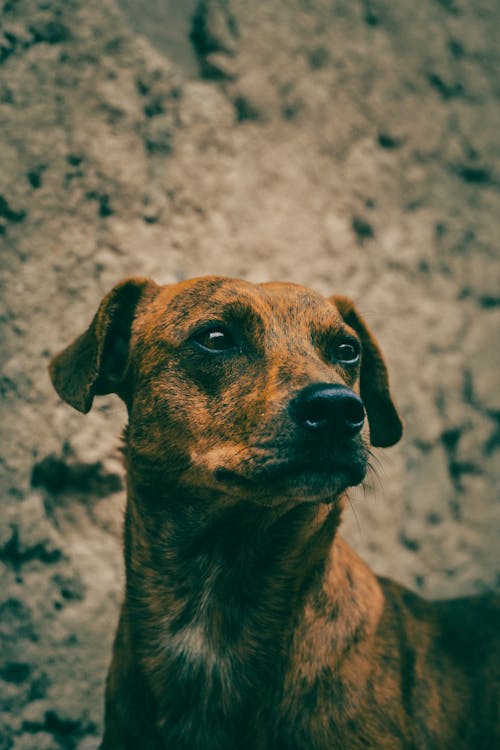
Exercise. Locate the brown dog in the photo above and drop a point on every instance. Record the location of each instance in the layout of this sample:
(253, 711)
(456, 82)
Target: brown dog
(248, 623)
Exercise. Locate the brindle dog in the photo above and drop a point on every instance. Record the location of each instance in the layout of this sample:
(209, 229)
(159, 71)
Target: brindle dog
(248, 623)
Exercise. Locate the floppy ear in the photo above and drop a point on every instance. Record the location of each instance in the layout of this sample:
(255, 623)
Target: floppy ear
(385, 423)
(96, 362)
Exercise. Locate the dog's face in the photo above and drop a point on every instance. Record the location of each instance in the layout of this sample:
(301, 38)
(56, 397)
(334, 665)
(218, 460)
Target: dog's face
(235, 389)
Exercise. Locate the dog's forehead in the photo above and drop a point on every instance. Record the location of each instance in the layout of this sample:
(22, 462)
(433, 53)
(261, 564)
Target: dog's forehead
(215, 295)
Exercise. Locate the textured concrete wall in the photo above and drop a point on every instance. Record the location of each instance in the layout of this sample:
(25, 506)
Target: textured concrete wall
(350, 146)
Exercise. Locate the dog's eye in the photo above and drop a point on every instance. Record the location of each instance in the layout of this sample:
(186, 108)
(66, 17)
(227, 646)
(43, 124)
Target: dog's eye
(347, 352)
(215, 340)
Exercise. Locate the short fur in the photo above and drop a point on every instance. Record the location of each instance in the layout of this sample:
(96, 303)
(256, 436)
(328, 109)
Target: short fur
(248, 623)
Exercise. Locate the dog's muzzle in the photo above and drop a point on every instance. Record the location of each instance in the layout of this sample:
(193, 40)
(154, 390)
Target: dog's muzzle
(329, 410)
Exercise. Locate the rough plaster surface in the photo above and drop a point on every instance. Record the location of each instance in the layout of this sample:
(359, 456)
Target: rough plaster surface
(350, 146)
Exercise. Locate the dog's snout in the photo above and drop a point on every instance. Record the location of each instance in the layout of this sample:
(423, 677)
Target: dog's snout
(328, 408)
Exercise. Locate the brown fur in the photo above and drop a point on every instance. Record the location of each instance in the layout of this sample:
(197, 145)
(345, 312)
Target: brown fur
(248, 623)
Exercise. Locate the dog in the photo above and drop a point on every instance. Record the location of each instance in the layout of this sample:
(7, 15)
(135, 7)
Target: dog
(248, 623)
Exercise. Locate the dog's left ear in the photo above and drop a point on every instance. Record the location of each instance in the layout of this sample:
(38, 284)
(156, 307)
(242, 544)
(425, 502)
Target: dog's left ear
(385, 423)
(96, 362)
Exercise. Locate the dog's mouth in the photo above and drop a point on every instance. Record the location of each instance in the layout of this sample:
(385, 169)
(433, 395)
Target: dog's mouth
(317, 479)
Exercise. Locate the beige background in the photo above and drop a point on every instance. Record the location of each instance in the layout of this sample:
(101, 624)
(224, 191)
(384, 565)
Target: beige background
(350, 146)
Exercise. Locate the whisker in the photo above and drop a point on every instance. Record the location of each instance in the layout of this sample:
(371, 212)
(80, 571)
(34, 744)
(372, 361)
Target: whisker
(376, 458)
(375, 483)
(355, 513)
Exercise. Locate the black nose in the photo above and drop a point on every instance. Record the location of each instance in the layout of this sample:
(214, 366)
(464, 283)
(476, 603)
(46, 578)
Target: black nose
(332, 409)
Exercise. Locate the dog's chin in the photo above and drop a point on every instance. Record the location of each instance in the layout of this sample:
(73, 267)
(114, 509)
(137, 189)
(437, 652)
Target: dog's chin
(307, 483)
(317, 486)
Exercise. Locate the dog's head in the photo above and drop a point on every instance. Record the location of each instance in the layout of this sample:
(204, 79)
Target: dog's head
(233, 388)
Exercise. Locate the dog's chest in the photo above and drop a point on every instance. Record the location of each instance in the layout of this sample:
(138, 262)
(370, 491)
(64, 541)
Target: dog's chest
(238, 688)
(222, 624)
(213, 693)
(216, 667)
(193, 655)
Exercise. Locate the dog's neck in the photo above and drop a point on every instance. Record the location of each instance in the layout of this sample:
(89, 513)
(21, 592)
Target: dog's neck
(211, 553)
(222, 590)
(221, 566)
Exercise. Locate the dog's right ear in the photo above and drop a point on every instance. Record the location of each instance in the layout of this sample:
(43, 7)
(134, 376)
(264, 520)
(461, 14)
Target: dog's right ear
(383, 417)
(96, 362)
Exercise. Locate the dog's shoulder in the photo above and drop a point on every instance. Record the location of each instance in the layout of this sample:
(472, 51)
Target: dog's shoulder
(449, 655)
(460, 621)
(462, 626)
